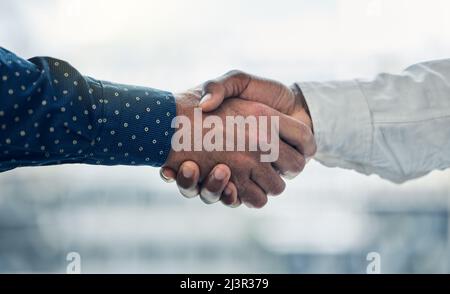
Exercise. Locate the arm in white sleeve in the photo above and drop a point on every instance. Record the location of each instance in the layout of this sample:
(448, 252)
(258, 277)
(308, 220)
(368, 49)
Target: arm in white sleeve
(396, 126)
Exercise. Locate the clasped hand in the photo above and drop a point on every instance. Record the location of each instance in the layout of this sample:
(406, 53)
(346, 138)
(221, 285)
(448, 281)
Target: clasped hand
(236, 177)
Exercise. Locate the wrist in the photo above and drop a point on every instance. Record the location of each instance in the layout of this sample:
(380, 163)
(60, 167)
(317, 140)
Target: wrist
(302, 111)
(185, 104)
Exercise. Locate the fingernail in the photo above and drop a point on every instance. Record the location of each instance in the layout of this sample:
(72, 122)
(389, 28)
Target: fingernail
(289, 175)
(205, 98)
(219, 174)
(164, 177)
(248, 204)
(190, 193)
(209, 197)
(234, 205)
(187, 173)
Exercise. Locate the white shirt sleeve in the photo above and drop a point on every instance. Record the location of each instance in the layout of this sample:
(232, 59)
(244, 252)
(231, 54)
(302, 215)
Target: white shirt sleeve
(396, 126)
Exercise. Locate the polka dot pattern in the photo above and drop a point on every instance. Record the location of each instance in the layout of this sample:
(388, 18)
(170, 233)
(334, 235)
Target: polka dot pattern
(51, 114)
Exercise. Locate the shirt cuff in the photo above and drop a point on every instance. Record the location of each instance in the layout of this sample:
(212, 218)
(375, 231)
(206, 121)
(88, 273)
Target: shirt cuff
(134, 125)
(342, 122)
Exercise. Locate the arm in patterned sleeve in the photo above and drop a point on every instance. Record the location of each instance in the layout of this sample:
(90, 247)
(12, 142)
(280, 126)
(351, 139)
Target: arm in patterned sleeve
(51, 114)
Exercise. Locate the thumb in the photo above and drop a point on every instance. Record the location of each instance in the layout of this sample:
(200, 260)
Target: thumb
(237, 84)
(212, 96)
(232, 84)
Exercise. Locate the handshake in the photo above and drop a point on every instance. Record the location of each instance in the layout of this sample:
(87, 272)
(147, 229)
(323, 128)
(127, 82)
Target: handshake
(236, 137)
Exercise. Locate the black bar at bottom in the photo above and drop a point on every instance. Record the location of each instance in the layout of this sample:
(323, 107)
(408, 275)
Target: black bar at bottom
(224, 283)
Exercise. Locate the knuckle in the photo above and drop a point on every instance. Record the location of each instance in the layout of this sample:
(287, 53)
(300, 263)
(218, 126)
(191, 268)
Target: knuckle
(236, 73)
(210, 85)
(246, 161)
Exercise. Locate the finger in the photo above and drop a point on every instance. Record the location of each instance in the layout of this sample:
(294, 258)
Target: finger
(252, 195)
(237, 203)
(245, 86)
(297, 134)
(214, 184)
(167, 174)
(268, 180)
(290, 162)
(229, 196)
(187, 179)
(271, 93)
(232, 84)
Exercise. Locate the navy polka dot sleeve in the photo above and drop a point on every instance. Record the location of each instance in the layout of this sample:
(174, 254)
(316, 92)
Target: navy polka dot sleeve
(51, 114)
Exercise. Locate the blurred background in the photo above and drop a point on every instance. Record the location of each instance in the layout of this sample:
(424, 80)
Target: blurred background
(125, 219)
